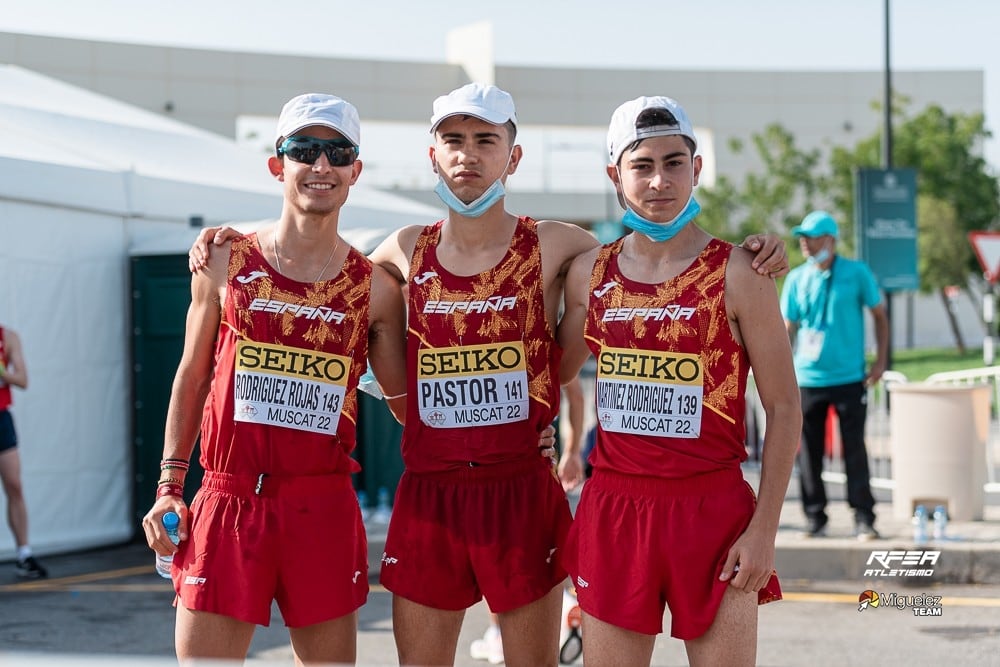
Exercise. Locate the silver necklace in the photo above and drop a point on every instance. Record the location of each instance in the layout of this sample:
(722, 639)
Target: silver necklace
(277, 258)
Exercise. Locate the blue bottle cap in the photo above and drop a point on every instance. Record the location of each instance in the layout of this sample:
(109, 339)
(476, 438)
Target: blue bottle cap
(171, 520)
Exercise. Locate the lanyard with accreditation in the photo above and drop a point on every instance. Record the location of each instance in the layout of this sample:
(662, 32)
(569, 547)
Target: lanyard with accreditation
(811, 339)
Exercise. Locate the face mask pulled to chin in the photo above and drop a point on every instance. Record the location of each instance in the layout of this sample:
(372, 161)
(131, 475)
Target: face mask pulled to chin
(662, 231)
(475, 208)
(820, 257)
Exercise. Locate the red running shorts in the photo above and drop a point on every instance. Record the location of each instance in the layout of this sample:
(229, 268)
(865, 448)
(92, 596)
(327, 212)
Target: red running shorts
(300, 541)
(639, 543)
(485, 530)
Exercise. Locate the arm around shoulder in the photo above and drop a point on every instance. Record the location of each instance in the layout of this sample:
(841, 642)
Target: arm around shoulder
(394, 252)
(571, 327)
(201, 249)
(387, 340)
(562, 242)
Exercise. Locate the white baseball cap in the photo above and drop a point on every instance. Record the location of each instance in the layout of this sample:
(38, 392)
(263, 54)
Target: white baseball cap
(486, 102)
(320, 109)
(622, 131)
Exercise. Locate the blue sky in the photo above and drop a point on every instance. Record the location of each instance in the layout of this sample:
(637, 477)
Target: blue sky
(709, 34)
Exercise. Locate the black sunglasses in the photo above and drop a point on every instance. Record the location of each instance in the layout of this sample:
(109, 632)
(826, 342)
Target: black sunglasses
(306, 150)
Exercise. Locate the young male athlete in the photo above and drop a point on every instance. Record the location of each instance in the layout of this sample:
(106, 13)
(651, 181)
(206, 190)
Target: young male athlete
(675, 319)
(280, 328)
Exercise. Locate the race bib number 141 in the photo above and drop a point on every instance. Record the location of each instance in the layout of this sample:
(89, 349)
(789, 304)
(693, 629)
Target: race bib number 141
(472, 385)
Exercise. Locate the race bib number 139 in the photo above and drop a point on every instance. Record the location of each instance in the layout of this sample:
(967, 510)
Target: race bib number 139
(646, 392)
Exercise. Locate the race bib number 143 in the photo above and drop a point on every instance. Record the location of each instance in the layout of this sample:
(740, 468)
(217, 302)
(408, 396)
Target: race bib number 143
(291, 387)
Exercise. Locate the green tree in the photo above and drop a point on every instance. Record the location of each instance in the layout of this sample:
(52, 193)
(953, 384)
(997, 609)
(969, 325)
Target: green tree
(957, 192)
(943, 254)
(773, 199)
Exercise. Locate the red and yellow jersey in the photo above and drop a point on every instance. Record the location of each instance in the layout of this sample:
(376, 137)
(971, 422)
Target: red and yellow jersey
(287, 363)
(482, 363)
(671, 377)
(6, 395)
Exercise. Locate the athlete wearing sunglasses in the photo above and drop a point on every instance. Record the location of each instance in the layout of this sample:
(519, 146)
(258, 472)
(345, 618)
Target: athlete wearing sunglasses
(306, 150)
(297, 292)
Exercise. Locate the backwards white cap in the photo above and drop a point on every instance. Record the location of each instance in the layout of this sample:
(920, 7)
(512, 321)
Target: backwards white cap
(622, 131)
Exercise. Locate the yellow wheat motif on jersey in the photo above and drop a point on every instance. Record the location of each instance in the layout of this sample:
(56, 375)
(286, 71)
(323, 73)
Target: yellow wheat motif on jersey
(519, 273)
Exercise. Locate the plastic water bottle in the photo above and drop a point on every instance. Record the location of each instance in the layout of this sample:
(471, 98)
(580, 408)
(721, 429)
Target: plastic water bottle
(940, 523)
(163, 563)
(920, 524)
(366, 512)
(382, 509)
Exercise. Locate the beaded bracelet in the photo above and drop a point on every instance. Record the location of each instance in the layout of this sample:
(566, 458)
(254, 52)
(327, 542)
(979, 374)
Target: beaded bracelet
(179, 464)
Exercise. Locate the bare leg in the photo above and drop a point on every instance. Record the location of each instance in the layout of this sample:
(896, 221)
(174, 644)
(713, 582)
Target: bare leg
(606, 645)
(530, 633)
(424, 635)
(17, 509)
(732, 637)
(329, 642)
(200, 634)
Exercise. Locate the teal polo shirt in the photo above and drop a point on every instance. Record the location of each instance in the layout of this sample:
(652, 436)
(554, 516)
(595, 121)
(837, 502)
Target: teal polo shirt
(832, 302)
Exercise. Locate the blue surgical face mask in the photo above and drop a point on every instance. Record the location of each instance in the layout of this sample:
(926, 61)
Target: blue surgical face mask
(661, 231)
(481, 204)
(820, 257)
(475, 208)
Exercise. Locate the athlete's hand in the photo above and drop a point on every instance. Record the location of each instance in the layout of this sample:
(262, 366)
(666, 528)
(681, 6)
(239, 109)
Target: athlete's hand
(152, 524)
(198, 254)
(570, 470)
(750, 562)
(772, 256)
(547, 443)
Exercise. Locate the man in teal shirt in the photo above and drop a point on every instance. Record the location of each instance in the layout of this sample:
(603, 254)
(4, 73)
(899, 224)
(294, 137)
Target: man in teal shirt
(823, 303)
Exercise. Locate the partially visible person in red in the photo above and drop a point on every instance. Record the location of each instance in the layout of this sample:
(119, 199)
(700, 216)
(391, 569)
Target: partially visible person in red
(14, 373)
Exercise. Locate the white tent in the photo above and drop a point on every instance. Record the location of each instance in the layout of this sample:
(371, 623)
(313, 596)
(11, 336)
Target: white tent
(86, 181)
